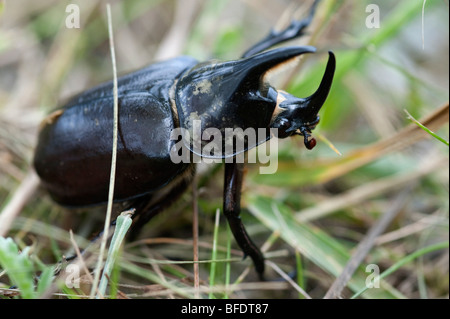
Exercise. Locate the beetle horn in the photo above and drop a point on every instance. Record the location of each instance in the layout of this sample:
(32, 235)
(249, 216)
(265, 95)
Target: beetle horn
(313, 103)
(229, 94)
(257, 65)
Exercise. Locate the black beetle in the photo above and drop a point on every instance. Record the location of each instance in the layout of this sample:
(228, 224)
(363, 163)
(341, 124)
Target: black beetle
(73, 153)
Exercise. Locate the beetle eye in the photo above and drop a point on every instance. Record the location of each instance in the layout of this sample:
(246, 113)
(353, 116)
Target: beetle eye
(283, 125)
(313, 124)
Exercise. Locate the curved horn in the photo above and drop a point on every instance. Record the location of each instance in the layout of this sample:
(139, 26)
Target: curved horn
(258, 65)
(314, 102)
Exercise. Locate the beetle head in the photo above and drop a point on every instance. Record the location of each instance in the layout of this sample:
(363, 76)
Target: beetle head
(233, 94)
(300, 115)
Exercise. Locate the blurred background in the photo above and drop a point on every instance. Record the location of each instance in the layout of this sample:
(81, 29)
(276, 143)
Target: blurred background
(311, 215)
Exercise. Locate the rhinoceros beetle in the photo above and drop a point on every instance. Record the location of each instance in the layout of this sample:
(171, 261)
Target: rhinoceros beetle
(74, 148)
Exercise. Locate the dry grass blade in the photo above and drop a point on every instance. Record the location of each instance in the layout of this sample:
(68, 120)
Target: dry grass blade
(288, 279)
(156, 268)
(320, 172)
(375, 112)
(408, 230)
(423, 24)
(222, 288)
(87, 259)
(175, 39)
(80, 257)
(365, 245)
(62, 55)
(195, 237)
(404, 138)
(368, 190)
(20, 198)
(113, 159)
(409, 135)
(180, 241)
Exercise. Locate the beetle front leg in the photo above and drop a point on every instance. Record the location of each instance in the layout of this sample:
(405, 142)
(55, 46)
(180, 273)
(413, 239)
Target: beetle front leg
(232, 208)
(146, 209)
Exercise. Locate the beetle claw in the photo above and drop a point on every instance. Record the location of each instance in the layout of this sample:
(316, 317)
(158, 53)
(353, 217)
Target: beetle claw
(309, 141)
(310, 144)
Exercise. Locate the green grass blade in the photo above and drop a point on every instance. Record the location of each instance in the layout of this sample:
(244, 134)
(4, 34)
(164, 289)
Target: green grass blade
(312, 243)
(300, 274)
(144, 273)
(123, 223)
(423, 127)
(18, 266)
(212, 271)
(228, 264)
(45, 280)
(406, 260)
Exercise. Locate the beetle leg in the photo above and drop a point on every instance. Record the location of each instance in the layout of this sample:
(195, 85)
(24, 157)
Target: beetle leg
(232, 208)
(146, 208)
(294, 30)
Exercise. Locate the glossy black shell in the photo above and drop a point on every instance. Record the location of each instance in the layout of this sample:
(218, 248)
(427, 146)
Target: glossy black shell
(230, 95)
(73, 154)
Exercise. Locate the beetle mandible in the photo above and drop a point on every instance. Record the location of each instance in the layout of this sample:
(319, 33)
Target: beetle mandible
(75, 143)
